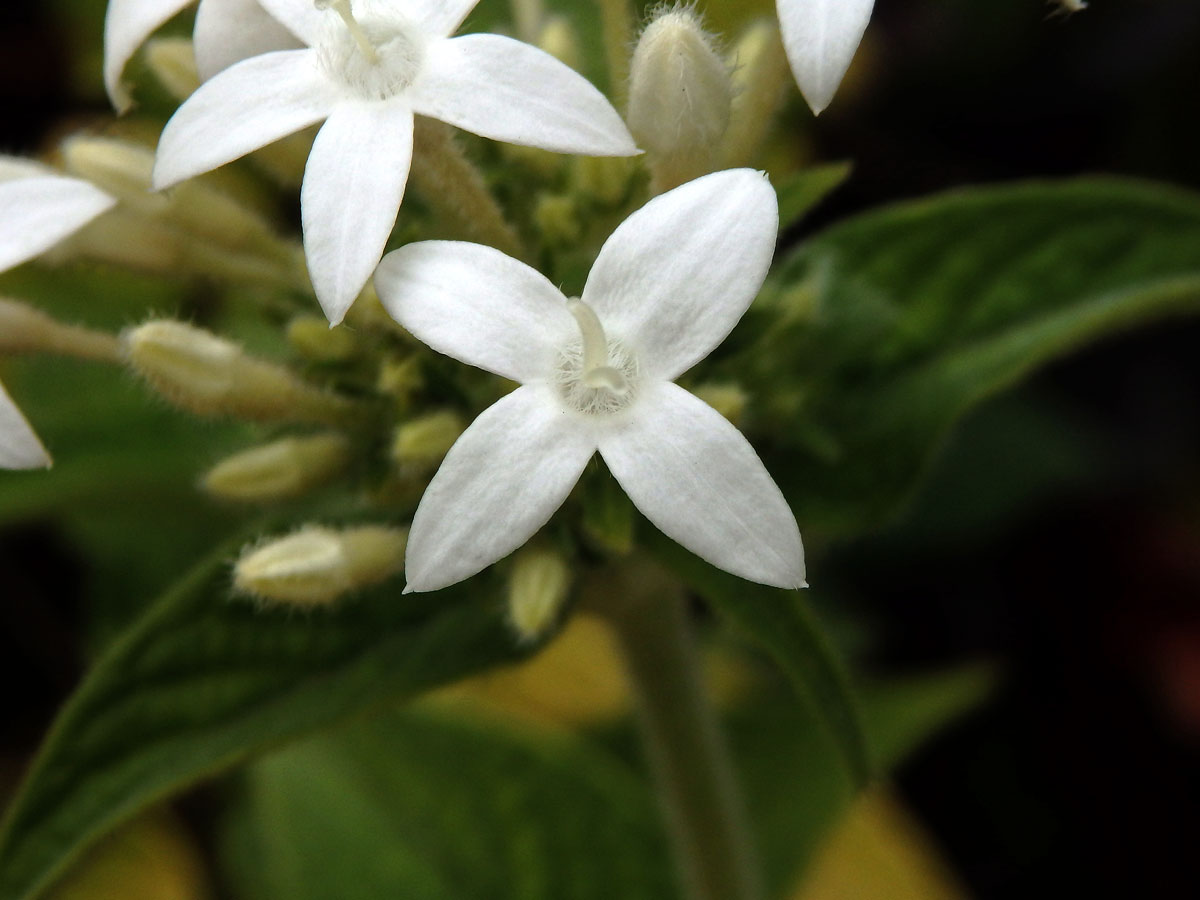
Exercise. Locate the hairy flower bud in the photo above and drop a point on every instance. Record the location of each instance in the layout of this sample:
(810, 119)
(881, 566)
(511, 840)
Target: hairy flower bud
(173, 62)
(537, 589)
(421, 443)
(760, 78)
(280, 470)
(24, 329)
(679, 98)
(313, 339)
(317, 565)
(210, 376)
(236, 240)
(727, 399)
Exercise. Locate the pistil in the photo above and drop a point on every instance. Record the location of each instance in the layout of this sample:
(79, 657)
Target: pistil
(597, 373)
(342, 8)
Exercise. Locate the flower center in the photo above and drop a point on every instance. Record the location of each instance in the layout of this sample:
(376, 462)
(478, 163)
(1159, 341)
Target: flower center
(596, 375)
(377, 54)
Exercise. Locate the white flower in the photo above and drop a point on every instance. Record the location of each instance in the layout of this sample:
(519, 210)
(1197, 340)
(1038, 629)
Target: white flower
(820, 37)
(596, 375)
(367, 73)
(226, 31)
(37, 210)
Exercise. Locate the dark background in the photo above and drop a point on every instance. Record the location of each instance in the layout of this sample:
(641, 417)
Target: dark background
(1059, 536)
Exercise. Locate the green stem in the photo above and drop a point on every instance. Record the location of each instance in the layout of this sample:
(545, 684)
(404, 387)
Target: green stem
(704, 812)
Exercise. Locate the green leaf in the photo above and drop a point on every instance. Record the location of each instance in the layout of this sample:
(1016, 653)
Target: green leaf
(801, 192)
(781, 624)
(203, 681)
(885, 330)
(795, 789)
(432, 808)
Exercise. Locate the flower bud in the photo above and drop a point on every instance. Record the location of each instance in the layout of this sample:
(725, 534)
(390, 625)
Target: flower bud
(679, 98)
(557, 218)
(537, 589)
(210, 376)
(280, 470)
(313, 339)
(173, 63)
(558, 38)
(727, 399)
(760, 80)
(316, 565)
(605, 179)
(24, 329)
(401, 378)
(236, 240)
(421, 443)
(122, 168)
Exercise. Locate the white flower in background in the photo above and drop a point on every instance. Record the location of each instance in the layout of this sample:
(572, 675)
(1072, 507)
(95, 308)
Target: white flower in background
(596, 375)
(820, 37)
(38, 208)
(367, 72)
(226, 31)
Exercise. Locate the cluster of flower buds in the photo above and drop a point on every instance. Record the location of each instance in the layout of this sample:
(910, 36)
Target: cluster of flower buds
(385, 84)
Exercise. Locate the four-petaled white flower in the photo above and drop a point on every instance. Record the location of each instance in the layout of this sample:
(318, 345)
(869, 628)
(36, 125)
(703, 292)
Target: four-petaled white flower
(226, 31)
(37, 210)
(820, 37)
(597, 374)
(366, 73)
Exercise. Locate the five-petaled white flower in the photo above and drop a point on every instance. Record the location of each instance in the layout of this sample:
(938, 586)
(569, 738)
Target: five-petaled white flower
(226, 31)
(37, 210)
(366, 73)
(597, 375)
(820, 37)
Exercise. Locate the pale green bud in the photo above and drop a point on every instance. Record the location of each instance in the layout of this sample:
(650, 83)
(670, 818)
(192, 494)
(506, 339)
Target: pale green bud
(237, 240)
(528, 16)
(280, 470)
(401, 378)
(604, 179)
(24, 329)
(726, 398)
(680, 94)
(558, 38)
(173, 63)
(421, 443)
(537, 589)
(313, 339)
(210, 376)
(760, 82)
(317, 565)
(557, 218)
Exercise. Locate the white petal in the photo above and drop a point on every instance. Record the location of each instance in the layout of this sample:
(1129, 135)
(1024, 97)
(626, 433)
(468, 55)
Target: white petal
(700, 482)
(442, 17)
(36, 213)
(477, 305)
(127, 24)
(19, 446)
(820, 37)
(353, 185)
(300, 17)
(500, 483)
(678, 274)
(228, 31)
(509, 91)
(245, 107)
